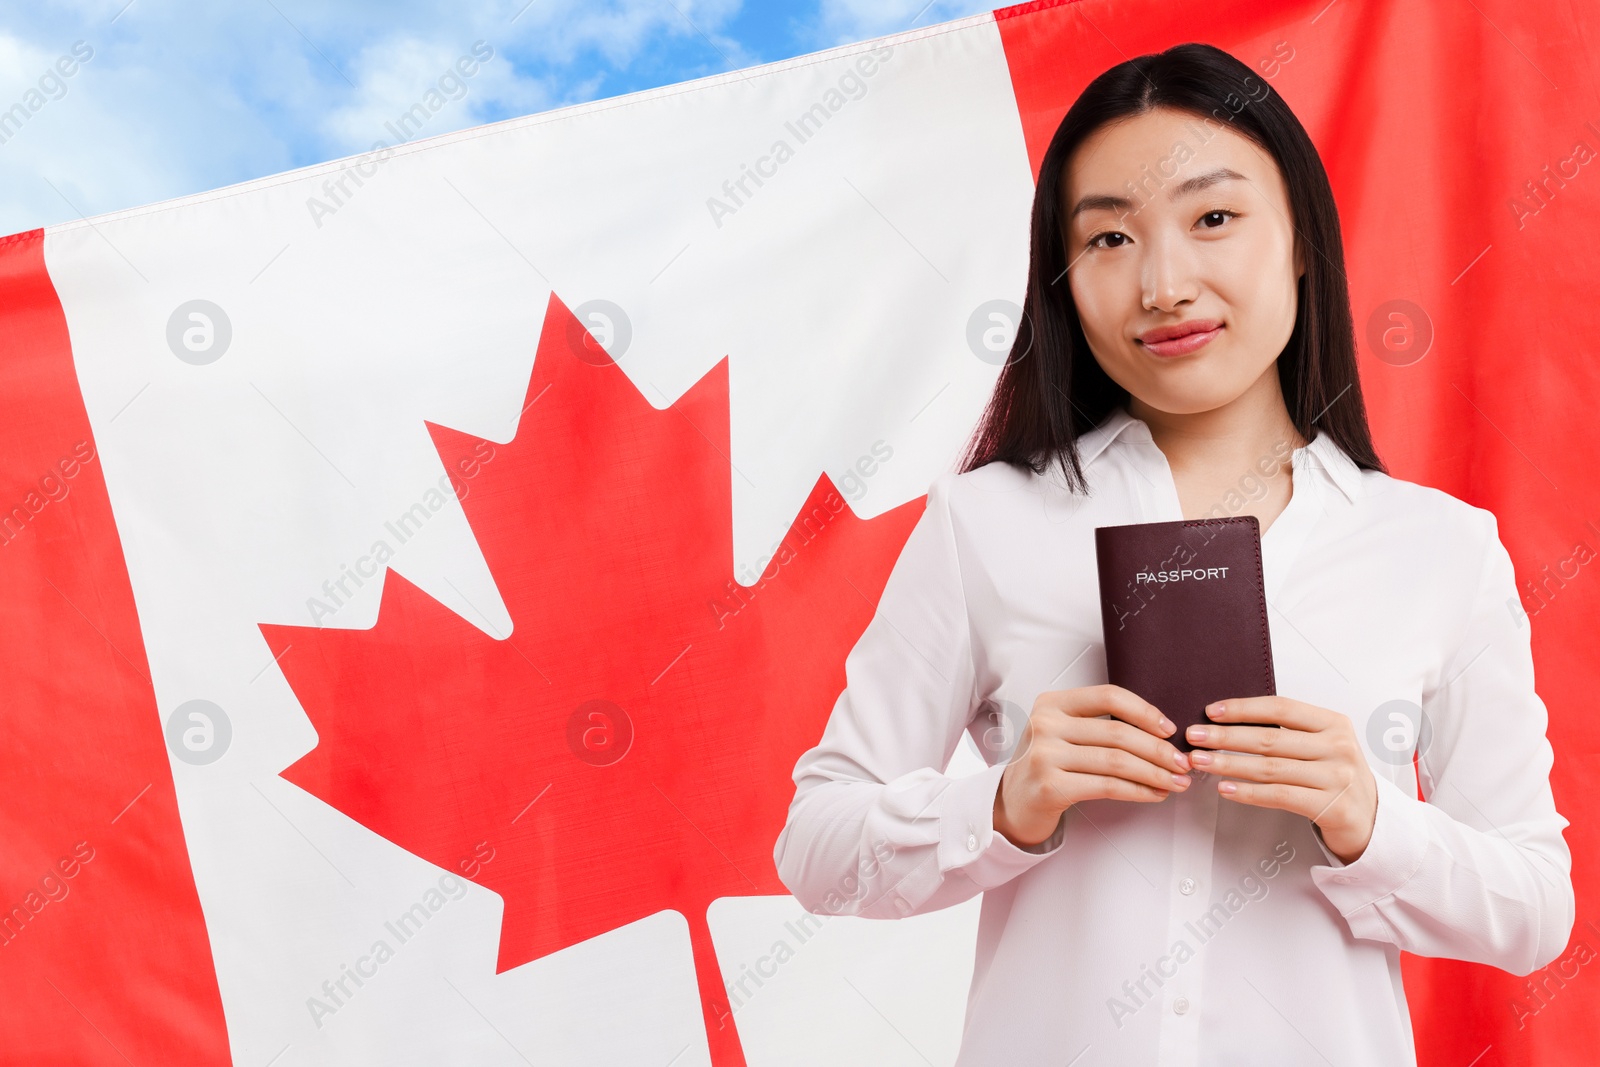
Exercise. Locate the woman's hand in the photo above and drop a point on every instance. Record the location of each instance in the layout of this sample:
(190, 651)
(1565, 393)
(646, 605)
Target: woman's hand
(1070, 751)
(1313, 766)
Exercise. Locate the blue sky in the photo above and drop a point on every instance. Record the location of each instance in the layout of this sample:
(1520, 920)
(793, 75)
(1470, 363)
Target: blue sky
(125, 104)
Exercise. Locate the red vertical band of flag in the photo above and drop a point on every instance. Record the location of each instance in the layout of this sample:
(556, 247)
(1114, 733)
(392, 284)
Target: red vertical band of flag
(104, 957)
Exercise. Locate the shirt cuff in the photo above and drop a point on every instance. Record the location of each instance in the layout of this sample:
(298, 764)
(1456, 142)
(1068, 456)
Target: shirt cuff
(1393, 855)
(969, 842)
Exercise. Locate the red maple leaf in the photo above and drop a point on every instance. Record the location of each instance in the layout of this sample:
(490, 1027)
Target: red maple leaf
(627, 747)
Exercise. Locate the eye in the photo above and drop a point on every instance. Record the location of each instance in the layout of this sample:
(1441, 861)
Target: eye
(1094, 242)
(1218, 211)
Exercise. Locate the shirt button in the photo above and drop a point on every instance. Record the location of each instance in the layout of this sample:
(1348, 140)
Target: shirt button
(972, 842)
(1180, 1005)
(1186, 886)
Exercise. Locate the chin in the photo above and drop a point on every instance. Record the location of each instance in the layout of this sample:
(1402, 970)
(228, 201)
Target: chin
(1186, 402)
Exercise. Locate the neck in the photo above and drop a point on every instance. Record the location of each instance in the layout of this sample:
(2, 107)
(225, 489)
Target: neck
(1251, 431)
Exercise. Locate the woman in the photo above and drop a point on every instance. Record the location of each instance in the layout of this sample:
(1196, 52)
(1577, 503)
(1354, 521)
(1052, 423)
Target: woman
(1186, 351)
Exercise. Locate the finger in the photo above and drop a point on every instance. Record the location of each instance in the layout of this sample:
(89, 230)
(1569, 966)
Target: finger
(1298, 799)
(1270, 769)
(1294, 714)
(1117, 763)
(1261, 740)
(1097, 700)
(1112, 733)
(1096, 786)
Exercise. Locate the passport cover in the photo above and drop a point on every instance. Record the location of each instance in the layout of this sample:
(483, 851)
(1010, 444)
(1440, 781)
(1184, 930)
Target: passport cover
(1185, 614)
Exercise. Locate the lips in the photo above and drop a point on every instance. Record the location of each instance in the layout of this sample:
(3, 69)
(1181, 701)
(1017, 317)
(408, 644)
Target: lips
(1181, 338)
(1172, 333)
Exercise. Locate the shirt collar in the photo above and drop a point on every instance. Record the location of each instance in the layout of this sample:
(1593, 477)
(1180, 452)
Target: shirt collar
(1326, 455)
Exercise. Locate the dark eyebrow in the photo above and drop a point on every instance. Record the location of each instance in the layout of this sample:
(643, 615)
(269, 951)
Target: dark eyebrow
(1122, 205)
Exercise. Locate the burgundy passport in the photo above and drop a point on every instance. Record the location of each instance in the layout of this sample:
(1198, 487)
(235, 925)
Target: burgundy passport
(1185, 614)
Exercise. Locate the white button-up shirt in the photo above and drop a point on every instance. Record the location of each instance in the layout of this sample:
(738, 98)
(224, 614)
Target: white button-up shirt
(1196, 930)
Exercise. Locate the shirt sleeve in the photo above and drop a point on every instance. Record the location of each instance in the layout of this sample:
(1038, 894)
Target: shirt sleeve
(875, 828)
(1480, 871)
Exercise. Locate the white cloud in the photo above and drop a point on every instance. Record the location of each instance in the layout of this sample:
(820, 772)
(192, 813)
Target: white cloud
(845, 21)
(407, 88)
(91, 145)
(621, 31)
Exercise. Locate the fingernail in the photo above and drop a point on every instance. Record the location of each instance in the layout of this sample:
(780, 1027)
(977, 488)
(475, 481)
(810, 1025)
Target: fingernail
(1181, 760)
(1201, 759)
(1180, 780)
(1168, 726)
(1197, 733)
(1214, 710)
(1227, 787)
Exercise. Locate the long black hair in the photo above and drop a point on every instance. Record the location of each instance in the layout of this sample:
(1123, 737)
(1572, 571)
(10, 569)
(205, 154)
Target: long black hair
(1052, 389)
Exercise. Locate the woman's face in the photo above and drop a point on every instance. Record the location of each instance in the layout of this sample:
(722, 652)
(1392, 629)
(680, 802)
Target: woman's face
(1164, 235)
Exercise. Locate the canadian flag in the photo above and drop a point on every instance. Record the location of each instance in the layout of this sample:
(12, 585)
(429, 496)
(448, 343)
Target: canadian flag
(422, 571)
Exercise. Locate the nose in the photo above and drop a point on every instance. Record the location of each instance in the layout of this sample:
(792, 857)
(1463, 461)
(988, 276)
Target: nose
(1167, 275)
